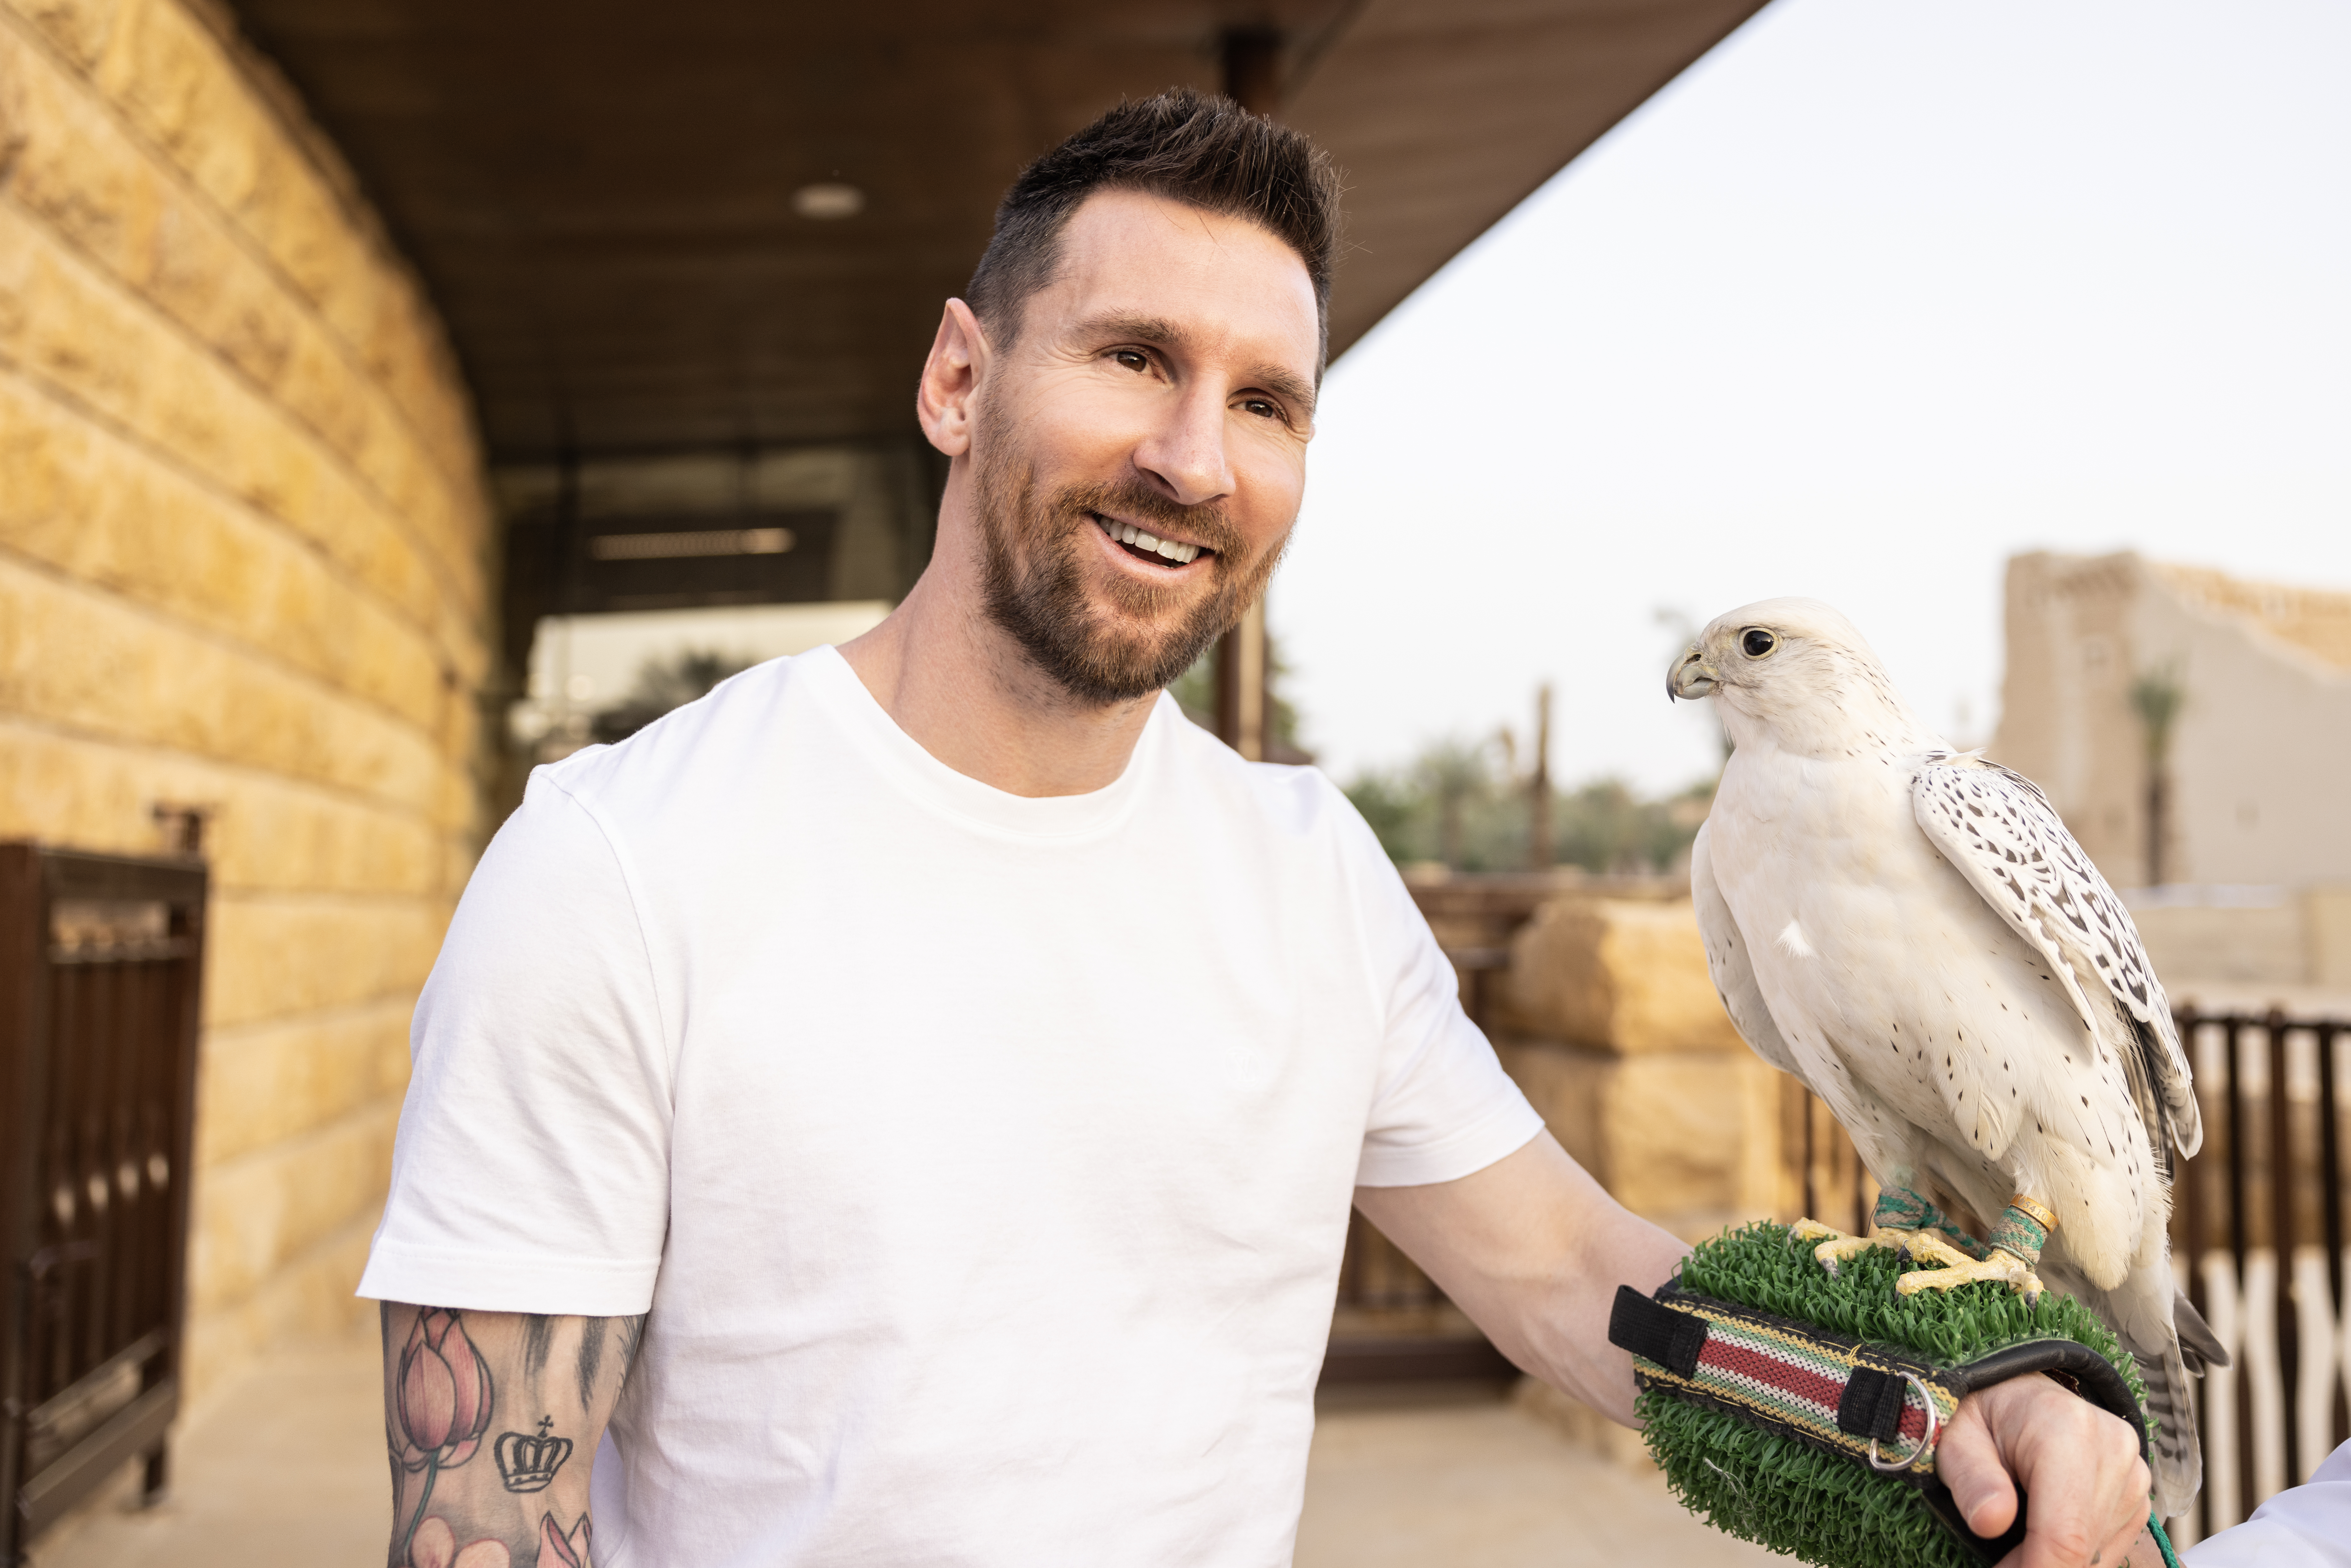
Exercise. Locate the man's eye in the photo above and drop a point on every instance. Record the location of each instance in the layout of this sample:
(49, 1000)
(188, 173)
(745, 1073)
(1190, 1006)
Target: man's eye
(1262, 408)
(1133, 359)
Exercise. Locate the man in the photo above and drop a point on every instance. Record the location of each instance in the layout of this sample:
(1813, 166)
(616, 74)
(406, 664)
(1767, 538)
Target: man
(904, 1107)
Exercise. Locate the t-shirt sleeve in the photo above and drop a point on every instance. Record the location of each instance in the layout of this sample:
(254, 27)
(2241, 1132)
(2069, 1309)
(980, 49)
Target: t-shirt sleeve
(2308, 1526)
(1443, 1107)
(531, 1169)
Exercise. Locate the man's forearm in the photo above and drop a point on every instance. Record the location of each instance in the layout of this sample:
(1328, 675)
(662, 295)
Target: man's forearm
(1533, 1248)
(492, 1420)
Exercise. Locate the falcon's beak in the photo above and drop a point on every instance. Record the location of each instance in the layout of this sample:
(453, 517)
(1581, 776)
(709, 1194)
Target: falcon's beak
(1690, 677)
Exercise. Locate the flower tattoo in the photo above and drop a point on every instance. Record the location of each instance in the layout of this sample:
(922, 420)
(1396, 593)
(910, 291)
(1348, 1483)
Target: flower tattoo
(443, 1403)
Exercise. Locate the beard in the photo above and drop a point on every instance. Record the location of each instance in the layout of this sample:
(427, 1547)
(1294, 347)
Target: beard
(1120, 640)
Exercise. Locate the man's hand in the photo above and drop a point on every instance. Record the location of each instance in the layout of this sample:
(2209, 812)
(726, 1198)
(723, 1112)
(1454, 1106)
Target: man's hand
(2086, 1488)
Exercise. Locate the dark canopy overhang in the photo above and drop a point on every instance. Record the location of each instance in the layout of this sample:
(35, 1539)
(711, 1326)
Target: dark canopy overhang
(600, 194)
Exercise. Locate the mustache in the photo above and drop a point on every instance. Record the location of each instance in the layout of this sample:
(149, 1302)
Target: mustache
(1135, 502)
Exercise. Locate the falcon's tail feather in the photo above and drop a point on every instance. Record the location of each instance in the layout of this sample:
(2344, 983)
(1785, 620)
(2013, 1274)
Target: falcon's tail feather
(2143, 1312)
(2175, 1455)
(2198, 1342)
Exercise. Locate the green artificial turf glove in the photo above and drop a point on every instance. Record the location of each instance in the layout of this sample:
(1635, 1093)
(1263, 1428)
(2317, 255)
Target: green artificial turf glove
(1801, 1410)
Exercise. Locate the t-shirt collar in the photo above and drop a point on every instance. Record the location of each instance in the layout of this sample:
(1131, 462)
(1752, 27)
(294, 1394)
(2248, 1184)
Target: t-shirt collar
(939, 786)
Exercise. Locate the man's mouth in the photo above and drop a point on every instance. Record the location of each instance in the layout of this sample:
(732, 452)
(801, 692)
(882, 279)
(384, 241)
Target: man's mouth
(1145, 546)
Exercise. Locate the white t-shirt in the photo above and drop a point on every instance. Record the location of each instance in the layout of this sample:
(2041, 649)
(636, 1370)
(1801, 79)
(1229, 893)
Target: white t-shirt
(984, 1161)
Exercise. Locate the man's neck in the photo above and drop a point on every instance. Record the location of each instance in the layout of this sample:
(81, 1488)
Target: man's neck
(952, 678)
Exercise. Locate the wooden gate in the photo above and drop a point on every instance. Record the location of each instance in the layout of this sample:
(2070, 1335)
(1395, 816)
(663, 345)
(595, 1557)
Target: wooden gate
(100, 959)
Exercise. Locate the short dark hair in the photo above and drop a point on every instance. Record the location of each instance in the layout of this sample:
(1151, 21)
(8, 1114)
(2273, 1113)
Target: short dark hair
(1191, 147)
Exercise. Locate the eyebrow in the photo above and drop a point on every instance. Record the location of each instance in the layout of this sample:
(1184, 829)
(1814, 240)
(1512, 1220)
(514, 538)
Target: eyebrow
(1162, 333)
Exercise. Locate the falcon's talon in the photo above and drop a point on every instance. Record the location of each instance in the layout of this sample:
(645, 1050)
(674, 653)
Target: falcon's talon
(2009, 1260)
(2001, 1268)
(1835, 1245)
(1928, 1247)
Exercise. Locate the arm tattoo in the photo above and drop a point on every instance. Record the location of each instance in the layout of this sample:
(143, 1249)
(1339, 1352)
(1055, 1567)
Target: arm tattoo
(538, 1339)
(528, 1463)
(591, 1351)
(446, 1392)
(591, 1355)
(442, 1402)
(633, 1333)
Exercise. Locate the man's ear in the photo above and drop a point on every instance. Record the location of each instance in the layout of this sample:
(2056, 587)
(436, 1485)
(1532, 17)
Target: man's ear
(944, 398)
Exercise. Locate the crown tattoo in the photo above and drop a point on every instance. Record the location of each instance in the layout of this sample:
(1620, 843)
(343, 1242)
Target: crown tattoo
(526, 1463)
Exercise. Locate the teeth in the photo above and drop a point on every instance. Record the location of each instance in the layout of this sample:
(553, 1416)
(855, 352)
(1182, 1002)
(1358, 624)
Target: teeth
(1166, 550)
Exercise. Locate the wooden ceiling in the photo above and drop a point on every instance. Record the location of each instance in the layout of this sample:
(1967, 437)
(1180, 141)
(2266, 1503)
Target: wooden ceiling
(599, 193)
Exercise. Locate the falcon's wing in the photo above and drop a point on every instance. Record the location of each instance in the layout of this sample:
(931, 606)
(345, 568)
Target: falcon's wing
(2002, 834)
(1733, 971)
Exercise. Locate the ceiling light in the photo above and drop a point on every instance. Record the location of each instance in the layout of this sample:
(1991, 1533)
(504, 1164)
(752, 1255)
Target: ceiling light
(828, 199)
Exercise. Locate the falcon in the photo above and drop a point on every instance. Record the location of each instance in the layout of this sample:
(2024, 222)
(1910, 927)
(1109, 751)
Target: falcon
(1910, 931)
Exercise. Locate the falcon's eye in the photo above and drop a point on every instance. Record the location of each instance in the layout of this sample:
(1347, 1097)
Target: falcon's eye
(1757, 641)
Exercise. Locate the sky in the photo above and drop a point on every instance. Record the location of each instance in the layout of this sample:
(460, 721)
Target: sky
(1877, 295)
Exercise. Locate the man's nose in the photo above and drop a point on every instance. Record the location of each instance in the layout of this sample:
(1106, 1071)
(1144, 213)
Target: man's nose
(1186, 452)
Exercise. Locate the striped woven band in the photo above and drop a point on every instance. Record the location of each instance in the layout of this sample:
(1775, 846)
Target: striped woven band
(1830, 1391)
(1899, 1208)
(2021, 1233)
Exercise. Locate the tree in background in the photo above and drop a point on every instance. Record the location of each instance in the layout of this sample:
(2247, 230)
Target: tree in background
(1461, 806)
(1451, 777)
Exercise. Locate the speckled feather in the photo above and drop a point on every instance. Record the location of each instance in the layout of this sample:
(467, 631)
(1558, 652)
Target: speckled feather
(1997, 828)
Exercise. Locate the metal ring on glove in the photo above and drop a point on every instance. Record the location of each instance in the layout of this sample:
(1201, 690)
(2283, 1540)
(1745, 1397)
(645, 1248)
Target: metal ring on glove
(1934, 1422)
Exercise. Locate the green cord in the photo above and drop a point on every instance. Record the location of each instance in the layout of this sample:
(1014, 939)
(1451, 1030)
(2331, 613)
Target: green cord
(2162, 1541)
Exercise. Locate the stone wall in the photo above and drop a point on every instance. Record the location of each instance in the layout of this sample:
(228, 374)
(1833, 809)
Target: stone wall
(243, 545)
(1608, 1020)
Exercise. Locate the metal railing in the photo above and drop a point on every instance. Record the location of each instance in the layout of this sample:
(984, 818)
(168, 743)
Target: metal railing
(100, 959)
(2258, 1231)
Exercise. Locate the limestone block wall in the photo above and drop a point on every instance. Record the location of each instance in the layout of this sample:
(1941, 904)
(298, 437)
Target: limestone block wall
(243, 547)
(1608, 1020)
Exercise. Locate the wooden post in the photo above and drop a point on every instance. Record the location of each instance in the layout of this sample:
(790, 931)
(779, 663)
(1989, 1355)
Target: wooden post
(1252, 70)
(1539, 825)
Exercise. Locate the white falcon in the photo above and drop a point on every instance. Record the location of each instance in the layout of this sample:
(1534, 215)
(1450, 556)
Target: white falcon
(1912, 932)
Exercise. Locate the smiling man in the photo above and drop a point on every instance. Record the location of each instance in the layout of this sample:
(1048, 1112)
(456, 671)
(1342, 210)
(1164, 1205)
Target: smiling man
(904, 1108)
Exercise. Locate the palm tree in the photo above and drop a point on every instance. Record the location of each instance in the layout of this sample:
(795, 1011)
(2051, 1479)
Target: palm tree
(2156, 696)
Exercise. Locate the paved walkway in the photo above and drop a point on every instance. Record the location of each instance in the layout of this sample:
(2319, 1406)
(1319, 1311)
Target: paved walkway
(1487, 1485)
(286, 1469)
